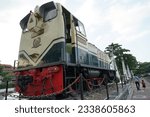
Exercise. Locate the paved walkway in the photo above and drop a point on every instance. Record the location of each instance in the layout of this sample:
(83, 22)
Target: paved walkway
(142, 94)
(2, 91)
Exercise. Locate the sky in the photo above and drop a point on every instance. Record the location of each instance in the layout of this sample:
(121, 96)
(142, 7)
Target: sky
(126, 22)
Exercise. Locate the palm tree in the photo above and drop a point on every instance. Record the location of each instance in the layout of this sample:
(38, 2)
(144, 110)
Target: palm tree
(120, 53)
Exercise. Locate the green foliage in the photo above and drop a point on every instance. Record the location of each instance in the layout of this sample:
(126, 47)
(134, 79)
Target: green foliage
(6, 76)
(10, 85)
(120, 52)
(117, 49)
(131, 61)
(1, 69)
(143, 68)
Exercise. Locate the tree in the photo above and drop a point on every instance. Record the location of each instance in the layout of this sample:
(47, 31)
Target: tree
(131, 61)
(1, 70)
(143, 68)
(117, 49)
(6, 76)
(120, 52)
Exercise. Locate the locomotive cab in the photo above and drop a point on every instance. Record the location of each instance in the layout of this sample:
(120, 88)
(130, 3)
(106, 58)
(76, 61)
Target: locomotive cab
(75, 36)
(42, 36)
(50, 34)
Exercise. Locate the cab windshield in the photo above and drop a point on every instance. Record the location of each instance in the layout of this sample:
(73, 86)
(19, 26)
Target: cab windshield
(48, 11)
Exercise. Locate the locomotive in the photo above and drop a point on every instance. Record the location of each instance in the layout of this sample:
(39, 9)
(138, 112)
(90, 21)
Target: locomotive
(54, 52)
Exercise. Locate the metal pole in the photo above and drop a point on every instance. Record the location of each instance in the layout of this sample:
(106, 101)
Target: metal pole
(107, 92)
(122, 81)
(116, 81)
(14, 64)
(6, 90)
(81, 86)
(19, 96)
(117, 87)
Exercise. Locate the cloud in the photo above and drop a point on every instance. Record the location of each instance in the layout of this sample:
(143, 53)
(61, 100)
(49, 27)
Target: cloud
(106, 21)
(118, 21)
(126, 20)
(121, 20)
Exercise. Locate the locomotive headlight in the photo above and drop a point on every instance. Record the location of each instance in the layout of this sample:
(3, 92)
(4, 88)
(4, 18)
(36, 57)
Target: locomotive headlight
(55, 69)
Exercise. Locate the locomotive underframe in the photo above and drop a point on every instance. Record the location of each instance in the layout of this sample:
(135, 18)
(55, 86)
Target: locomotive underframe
(60, 78)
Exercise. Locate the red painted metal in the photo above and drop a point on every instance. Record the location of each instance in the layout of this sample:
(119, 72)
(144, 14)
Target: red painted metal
(45, 80)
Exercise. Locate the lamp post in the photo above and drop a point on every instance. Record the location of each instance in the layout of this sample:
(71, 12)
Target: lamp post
(6, 92)
(15, 63)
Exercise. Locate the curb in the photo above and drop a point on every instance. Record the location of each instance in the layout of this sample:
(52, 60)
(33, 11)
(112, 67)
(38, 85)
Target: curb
(126, 94)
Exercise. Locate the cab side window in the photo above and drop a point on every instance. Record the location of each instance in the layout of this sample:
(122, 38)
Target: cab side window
(79, 27)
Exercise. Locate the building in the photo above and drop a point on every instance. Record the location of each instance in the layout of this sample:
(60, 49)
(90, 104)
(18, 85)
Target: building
(6, 68)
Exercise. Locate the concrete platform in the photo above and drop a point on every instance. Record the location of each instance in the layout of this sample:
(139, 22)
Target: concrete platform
(130, 92)
(142, 94)
(125, 93)
(2, 91)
